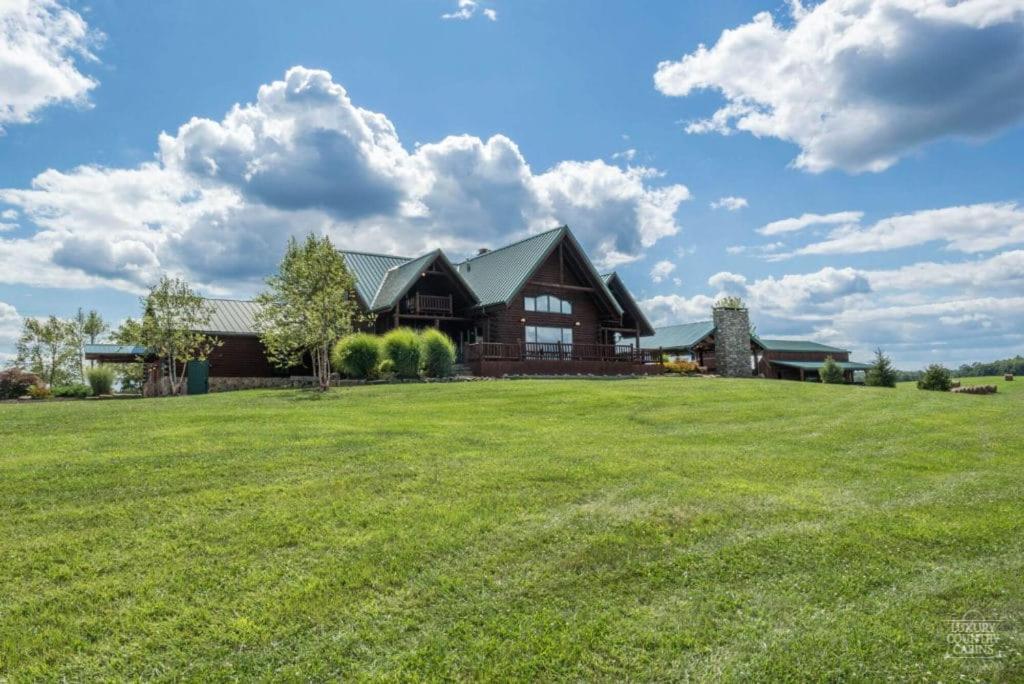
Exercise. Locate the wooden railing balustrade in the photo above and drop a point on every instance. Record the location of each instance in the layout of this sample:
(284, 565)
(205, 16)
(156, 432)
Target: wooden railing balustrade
(430, 305)
(558, 351)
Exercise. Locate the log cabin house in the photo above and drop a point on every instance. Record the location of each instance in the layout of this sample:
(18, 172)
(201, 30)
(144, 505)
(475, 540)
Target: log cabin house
(536, 306)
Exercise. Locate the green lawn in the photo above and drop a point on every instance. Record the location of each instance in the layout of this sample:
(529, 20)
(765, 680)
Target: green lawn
(643, 529)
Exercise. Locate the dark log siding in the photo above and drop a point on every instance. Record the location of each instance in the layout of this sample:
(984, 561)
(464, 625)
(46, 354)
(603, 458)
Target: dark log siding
(242, 356)
(506, 324)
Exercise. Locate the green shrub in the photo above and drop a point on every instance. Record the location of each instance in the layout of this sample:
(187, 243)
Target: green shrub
(881, 373)
(101, 379)
(72, 391)
(937, 378)
(831, 373)
(15, 383)
(402, 346)
(437, 354)
(358, 355)
(39, 392)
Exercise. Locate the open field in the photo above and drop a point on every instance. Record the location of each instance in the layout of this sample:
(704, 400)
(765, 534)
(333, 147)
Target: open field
(659, 528)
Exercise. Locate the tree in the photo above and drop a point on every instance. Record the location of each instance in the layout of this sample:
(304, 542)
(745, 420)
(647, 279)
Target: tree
(831, 372)
(50, 349)
(130, 376)
(936, 377)
(881, 373)
(172, 320)
(89, 328)
(308, 306)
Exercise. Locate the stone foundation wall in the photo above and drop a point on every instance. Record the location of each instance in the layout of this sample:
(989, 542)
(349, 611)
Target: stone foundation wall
(732, 343)
(233, 384)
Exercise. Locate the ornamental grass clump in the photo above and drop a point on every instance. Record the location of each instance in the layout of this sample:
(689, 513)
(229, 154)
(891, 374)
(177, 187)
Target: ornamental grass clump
(681, 366)
(101, 380)
(437, 354)
(358, 355)
(402, 347)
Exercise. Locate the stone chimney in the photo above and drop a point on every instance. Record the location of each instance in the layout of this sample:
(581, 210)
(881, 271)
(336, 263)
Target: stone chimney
(732, 342)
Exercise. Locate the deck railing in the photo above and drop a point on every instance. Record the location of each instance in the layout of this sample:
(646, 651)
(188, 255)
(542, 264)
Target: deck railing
(557, 351)
(430, 305)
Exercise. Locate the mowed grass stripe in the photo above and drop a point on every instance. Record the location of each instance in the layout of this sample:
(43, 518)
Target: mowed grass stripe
(561, 529)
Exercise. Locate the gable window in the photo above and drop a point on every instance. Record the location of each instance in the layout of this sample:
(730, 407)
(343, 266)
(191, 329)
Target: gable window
(548, 304)
(545, 335)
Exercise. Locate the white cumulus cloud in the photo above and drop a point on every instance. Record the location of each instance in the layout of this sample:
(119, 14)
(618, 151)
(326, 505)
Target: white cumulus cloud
(790, 225)
(730, 203)
(10, 328)
(968, 310)
(858, 84)
(41, 42)
(467, 9)
(971, 228)
(662, 270)
(224, 195)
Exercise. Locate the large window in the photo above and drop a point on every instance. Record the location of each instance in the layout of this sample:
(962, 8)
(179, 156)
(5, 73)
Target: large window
(538, 333)
(548, 304)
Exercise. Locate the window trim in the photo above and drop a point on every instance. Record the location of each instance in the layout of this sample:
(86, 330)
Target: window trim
(530, 304)
(563, 330)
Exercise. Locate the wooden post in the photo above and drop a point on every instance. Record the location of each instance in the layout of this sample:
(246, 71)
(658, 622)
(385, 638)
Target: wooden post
(801, 375)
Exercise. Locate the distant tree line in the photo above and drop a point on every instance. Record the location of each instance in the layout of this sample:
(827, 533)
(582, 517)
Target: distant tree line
(973, 370)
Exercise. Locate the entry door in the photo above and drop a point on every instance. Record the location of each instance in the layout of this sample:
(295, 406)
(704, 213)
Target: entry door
(198, 377)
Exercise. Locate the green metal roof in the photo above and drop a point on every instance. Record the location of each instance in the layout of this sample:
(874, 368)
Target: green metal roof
(816, 365)
(681, 336)
(127, 350)
(369, 270)
(497, 275)
(798, 346)
(232, 317)
(398, 279)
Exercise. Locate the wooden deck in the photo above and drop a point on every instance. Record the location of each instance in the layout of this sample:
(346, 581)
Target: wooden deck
(535, 358)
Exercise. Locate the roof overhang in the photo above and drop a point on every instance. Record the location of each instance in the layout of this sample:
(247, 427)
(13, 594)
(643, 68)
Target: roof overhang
(816, 365)
(115, 353)
(629, 305)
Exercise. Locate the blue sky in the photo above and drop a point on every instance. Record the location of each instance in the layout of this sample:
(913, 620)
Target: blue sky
(872, 152)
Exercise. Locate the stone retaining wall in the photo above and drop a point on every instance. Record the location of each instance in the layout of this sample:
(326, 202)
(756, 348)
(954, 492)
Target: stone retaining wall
(233, 384)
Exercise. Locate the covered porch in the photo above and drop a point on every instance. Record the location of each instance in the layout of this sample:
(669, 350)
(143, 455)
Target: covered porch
(811, 370)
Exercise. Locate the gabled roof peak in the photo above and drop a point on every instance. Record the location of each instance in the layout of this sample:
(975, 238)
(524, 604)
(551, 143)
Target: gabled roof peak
(490, 252)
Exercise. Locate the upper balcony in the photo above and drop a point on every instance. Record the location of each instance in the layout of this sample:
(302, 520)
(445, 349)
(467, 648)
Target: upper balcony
(428, 305)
